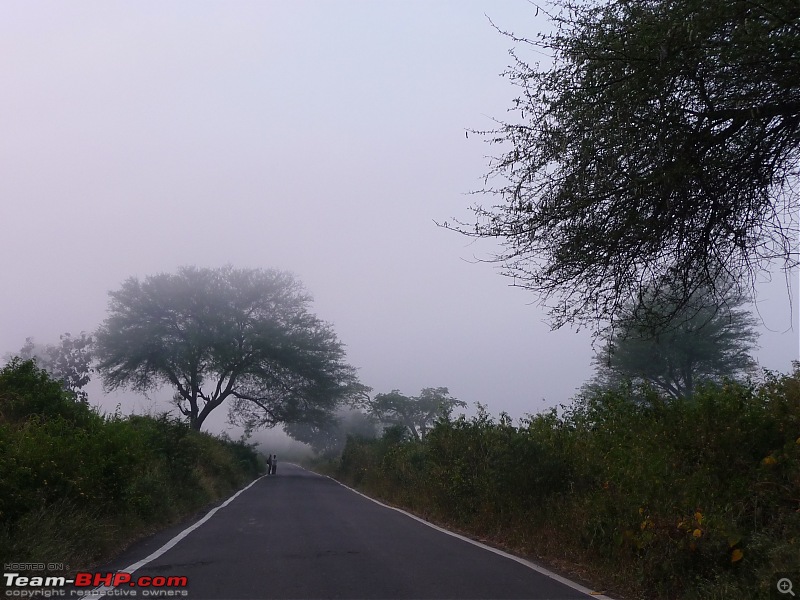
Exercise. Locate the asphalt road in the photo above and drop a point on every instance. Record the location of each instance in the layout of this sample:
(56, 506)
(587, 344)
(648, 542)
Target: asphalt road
(300, 535)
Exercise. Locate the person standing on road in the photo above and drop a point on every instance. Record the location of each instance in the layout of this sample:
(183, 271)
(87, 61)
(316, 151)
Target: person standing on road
(269, 464)
(274, 463)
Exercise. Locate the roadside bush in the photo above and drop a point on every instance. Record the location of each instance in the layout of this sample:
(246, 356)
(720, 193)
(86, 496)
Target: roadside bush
(77, 486)
(661, 498)
(26, 390)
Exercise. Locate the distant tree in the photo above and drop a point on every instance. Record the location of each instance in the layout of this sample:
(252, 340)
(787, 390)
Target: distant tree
(703, 343)
(244, 335)
(416, 413)
(328, 439)
(69, 361)
(662, 137)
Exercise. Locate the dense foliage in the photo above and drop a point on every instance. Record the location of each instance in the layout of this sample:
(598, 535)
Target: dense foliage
(76, 485)
(662, 498)
(661, 136)
(242, 335)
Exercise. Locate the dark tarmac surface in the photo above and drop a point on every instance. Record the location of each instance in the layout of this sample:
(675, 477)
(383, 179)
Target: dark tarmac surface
(299, 535)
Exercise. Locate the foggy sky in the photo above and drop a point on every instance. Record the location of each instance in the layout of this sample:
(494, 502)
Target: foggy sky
(323, 138)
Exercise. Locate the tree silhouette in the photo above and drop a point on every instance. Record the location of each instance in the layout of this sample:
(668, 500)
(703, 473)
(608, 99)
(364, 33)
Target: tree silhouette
(663, 139)
(703, 343)
(241, 334)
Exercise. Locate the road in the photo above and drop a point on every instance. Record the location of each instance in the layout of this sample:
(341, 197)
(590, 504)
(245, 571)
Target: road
(300, 535)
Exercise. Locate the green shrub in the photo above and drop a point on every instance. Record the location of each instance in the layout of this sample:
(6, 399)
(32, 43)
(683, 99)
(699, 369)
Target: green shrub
(663, 498)
(27, 390)
(77, 486)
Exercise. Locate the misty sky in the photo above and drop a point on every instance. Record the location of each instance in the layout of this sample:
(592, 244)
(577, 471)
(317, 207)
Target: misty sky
(323, 138)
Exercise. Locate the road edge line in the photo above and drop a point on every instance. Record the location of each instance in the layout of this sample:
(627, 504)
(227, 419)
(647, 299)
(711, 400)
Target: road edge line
(101, 591)
(531, 565)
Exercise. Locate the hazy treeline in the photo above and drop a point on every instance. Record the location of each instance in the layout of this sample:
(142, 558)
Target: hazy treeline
(660, 497)
(78, 486)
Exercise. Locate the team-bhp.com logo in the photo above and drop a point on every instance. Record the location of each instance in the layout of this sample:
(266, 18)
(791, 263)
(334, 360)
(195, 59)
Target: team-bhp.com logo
(86, 585)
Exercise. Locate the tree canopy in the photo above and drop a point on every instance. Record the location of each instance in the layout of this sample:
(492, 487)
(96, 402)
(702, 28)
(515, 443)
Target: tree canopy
(246, 335)
(703, 343)
(416, 413)
(663, 139)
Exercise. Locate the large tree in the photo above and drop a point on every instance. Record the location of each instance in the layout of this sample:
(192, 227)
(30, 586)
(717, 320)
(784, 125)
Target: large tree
(216, 334)
(702, 343)
(416, 413)
(655, 138)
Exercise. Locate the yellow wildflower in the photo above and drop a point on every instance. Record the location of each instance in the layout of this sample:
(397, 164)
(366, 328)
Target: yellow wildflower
(737, 555)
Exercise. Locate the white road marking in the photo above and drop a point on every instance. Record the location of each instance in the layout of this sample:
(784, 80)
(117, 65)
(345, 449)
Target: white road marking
(522, 561)
(101, 591)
